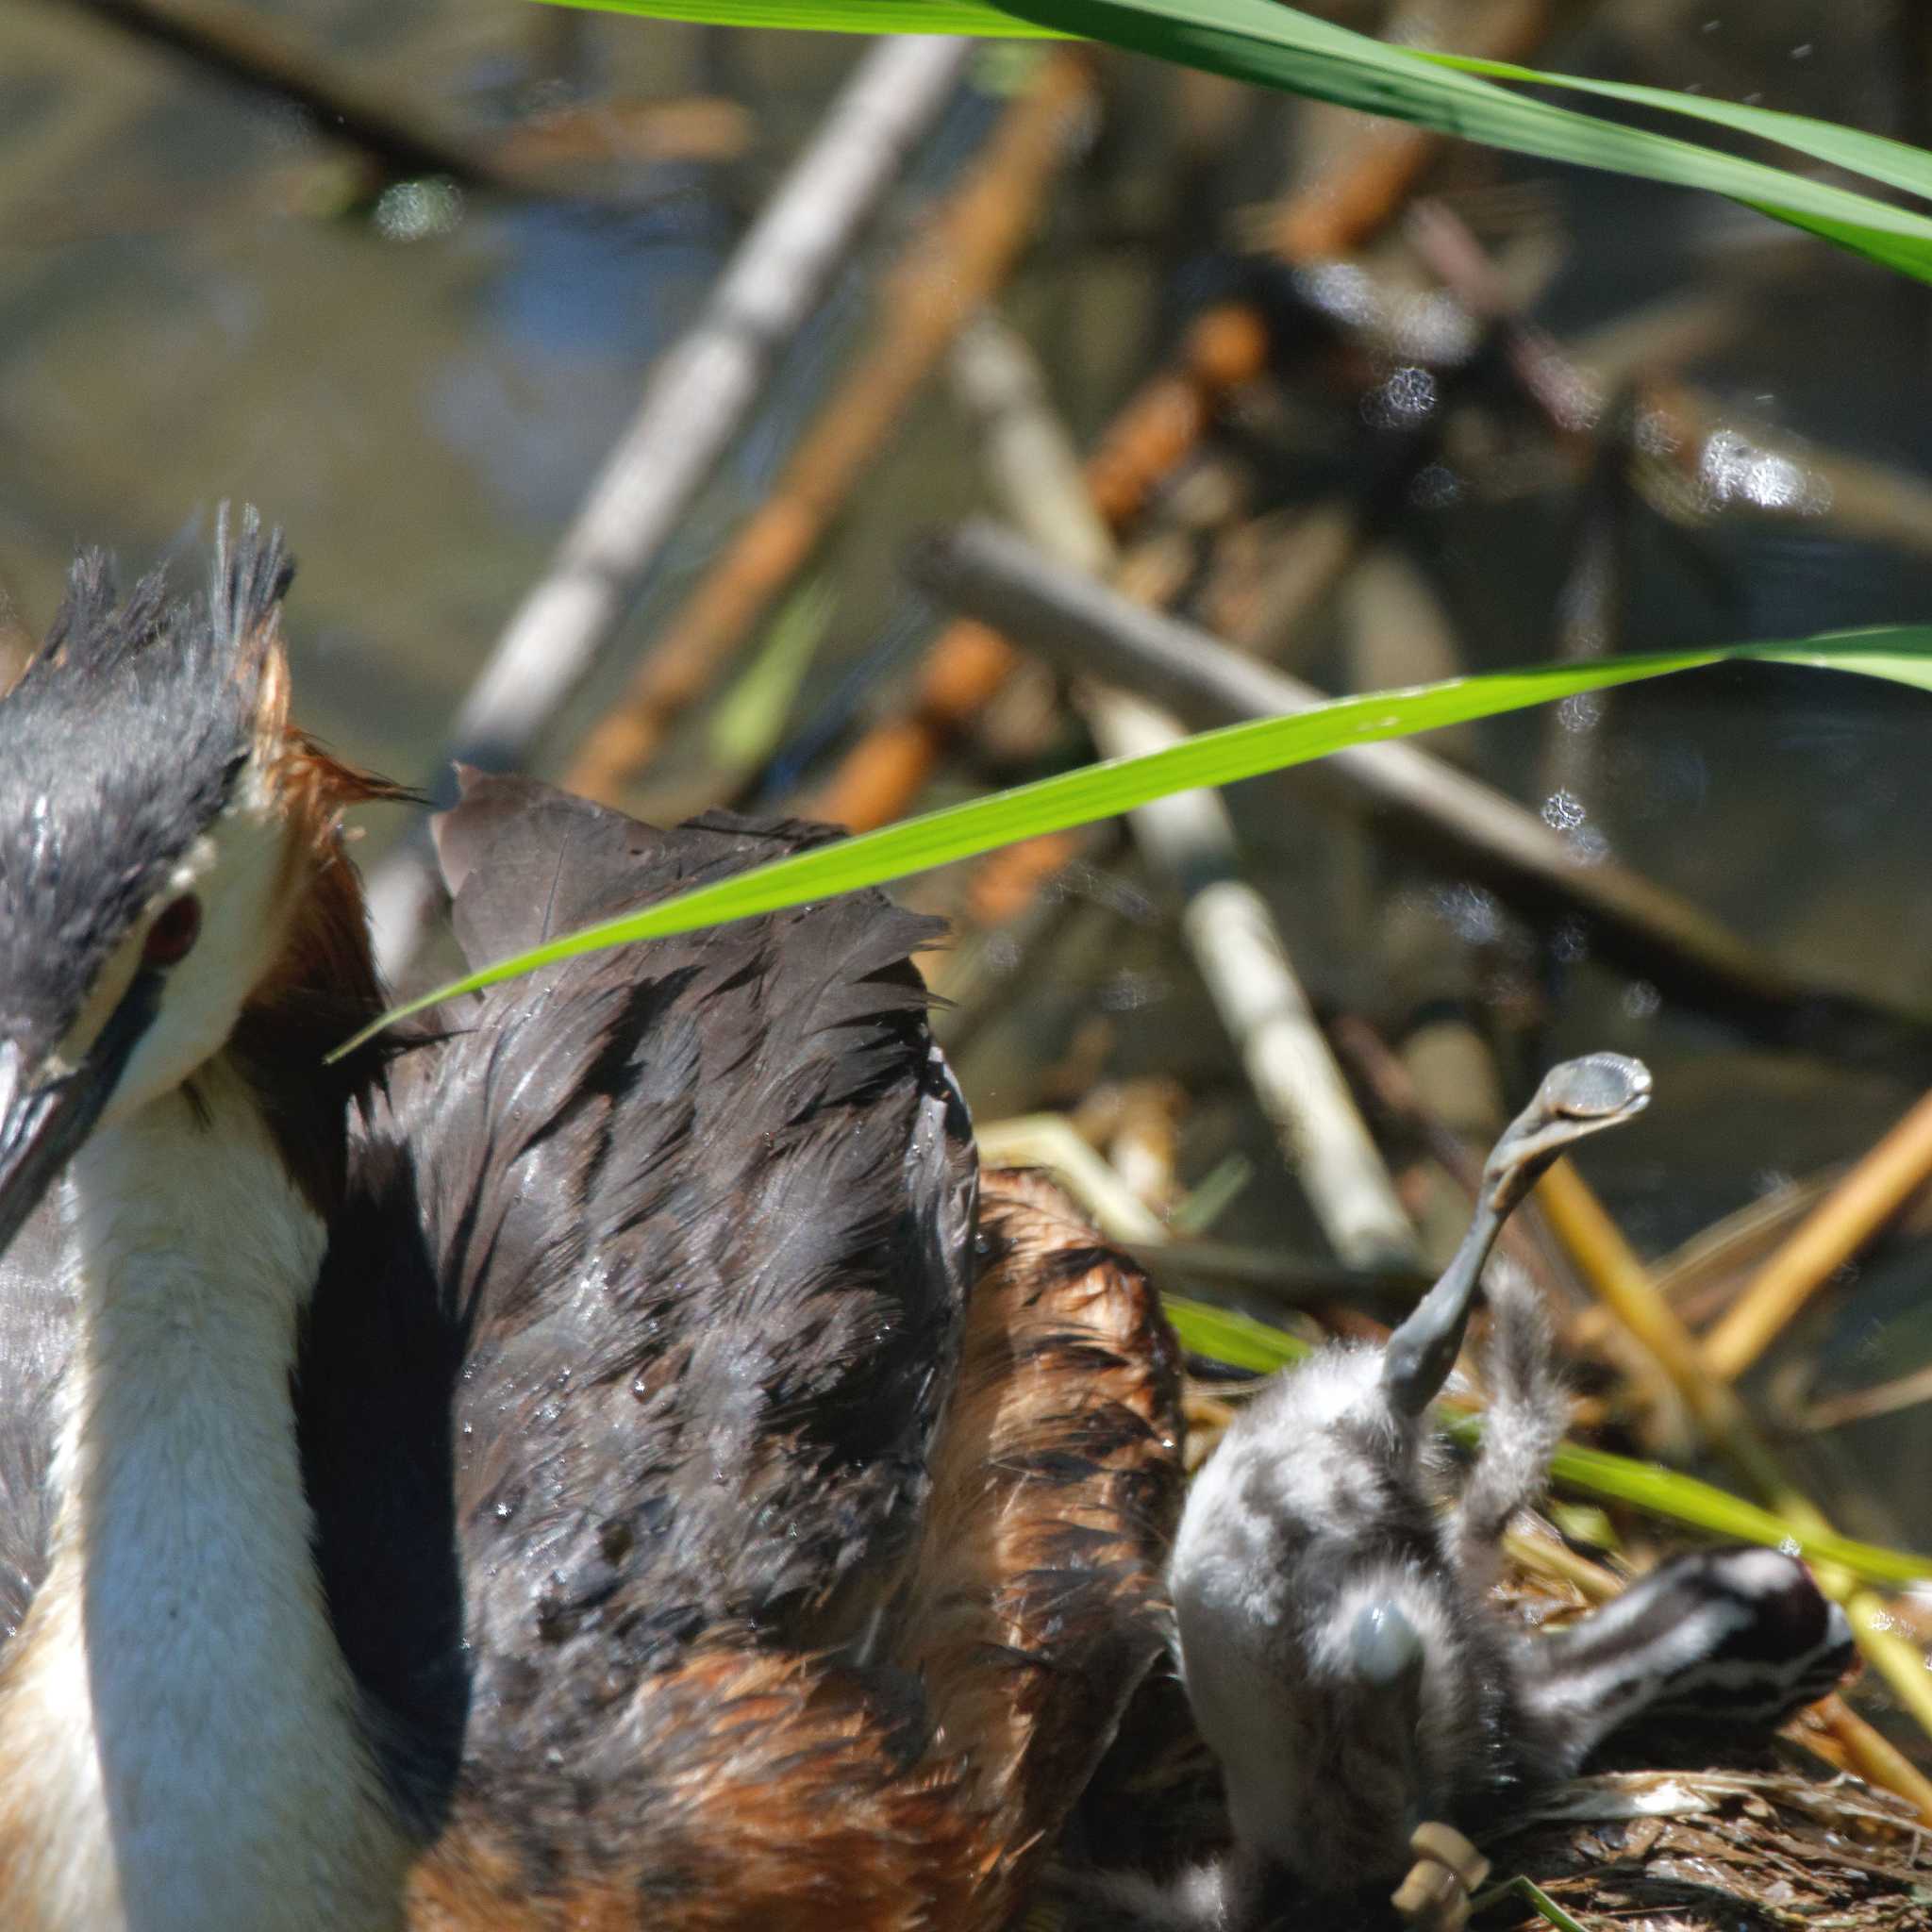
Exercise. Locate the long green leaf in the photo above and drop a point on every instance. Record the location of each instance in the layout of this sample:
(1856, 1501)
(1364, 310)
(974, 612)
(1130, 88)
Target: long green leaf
(1245, 1343)
(1274, 46)
(1900, 654)
(834, 16)
(751, 716)
(1238, 1341)
(1532, 1894)
(1875, 157)
(1661, 1491)
(1260, 40)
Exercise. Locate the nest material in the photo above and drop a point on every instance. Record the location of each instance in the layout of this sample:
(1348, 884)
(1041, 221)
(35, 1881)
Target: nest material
(1724, 1851)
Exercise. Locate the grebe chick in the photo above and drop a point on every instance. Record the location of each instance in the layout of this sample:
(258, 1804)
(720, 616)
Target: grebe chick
(1332, 1631)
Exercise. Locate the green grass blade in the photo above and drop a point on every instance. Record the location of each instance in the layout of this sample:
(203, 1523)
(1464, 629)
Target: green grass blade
(1873, 155)
(1273, 45)
(750, 718)
(1533, 1895)
(1238, 1341)
(1261, 42)
(835, 16)
(1902, 655)
(1660, 1491)
(1244, 1343)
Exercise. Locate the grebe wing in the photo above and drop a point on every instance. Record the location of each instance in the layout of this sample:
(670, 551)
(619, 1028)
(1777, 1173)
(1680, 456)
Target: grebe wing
(646, 1302)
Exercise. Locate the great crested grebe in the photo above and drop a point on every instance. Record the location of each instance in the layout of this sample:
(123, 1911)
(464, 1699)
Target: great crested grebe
(602, 1461)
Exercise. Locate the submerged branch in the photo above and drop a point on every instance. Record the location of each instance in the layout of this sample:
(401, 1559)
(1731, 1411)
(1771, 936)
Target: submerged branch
(987, 574)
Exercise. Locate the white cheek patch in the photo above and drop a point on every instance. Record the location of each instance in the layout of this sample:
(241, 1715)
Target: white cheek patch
(239, 869)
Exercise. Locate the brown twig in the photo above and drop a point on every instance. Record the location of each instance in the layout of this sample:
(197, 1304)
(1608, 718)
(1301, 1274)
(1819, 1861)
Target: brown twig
(698, 397)
(1360, 186)
(879, 777)
(1700, 1278)
(1188, 839)
(1621, 1282)
(699, 128)
(966, 251)
(1862, 1405)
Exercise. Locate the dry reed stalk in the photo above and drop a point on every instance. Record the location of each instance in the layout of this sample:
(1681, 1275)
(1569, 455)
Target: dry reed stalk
(236, 40)
(697, 400)
(984, 572)
(1189, 838)
(1835, 1230)
(965, 253)
(1360, 186)
(1863, 1404)
(1620, 1278)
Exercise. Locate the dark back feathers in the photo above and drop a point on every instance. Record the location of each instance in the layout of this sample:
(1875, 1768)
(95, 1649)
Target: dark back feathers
(649, 1287)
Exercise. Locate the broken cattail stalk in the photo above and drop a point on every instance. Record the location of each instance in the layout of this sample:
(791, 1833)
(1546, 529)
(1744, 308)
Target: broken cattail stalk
(881, 777)
(1835, 1230)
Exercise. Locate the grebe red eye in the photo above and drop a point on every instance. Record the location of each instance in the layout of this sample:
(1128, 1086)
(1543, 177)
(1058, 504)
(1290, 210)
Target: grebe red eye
(172, 935)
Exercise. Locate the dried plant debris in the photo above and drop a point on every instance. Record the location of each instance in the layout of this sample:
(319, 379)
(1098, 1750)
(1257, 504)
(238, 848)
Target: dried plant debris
(1724, 1850)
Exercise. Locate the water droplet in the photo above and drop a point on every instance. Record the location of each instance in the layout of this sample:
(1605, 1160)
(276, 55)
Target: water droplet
(1570, 942)
(1407, 397)
(1641, 999)
(1563, 811)
(419, 210)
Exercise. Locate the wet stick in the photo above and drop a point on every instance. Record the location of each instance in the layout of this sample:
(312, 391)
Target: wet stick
(698, 396)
